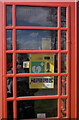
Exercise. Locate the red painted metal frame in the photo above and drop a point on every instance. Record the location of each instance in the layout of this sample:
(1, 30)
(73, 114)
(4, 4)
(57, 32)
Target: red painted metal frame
(59, 74)
(1, 61)
(78, 56)
(74, 60)
(76, 82)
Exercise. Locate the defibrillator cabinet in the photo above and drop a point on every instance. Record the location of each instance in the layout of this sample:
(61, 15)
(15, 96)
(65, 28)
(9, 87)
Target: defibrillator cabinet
(43, 63)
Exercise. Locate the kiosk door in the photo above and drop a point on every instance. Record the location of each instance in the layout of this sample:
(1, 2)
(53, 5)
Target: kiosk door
(36, 60)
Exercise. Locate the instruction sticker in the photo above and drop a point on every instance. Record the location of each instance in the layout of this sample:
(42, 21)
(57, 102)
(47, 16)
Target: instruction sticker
(41, 82)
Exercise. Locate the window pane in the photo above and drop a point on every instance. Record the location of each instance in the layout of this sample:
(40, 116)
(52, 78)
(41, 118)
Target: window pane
(9, 15)
(63, 63)
(36, 16)
(9, 63)
(9, 40)
(63, 85)
(63, 107)
(36, 40)
(37, 63)
(9, 87)
(63, 40)
(10, 110)
(63, 17)
(37, 86)
(33, 108)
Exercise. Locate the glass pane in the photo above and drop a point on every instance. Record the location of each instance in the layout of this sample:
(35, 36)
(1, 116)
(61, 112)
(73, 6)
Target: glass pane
(9, 40)
(10, 110)
(9, 15)
(63, 107)
(36, 40)
(63, 85)
(9, 63)
(37, 86)
(36, 16)
(63, 17)
(36, 63)
(9, 87)
(31, 109)
(63, 40)
(63, 63)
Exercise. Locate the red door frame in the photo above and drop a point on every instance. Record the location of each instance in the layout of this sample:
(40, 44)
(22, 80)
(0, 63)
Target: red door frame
(73, 27)
(1, 61)
(78, 53)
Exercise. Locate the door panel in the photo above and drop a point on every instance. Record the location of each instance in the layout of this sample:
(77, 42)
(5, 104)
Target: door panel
(36, 61)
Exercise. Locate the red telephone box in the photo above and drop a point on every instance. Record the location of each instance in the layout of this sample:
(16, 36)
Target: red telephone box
(38, 60)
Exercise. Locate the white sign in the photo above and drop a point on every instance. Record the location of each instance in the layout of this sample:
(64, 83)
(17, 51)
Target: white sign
(46, 43)
(41, 115)
(26, 64)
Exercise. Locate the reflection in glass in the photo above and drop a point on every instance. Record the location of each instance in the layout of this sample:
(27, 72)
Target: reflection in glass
(63, 63)
(10, 110)
(37, 86)
(31, 109)
(9, 87)
(9, 15)
(63, 40)
(36, 63)
(9, 40)
(63, 85)
(63, 107)
(9, 63)
(36, 40)
(63, 17)
(36, 16)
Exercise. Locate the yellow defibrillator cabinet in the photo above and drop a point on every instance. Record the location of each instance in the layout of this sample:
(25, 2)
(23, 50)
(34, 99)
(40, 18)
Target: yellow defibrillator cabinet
(41, 63)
